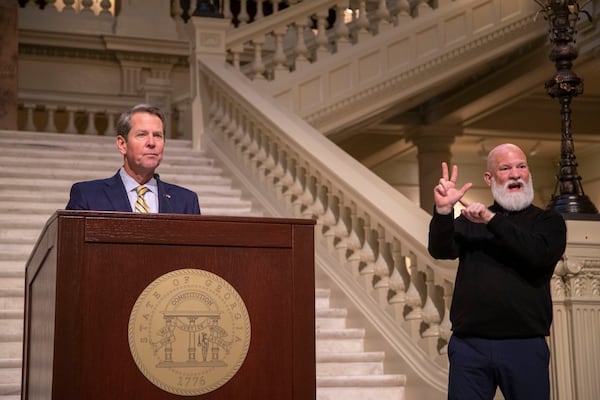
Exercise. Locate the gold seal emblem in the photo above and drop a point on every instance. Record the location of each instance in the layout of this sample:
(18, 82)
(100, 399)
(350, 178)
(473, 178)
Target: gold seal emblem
(189, 332)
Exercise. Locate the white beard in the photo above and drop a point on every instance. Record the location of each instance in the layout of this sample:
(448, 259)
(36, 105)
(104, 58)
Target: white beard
(513, 201)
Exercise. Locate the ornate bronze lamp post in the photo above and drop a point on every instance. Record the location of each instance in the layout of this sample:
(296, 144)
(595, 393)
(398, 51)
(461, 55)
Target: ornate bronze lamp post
(562, 16)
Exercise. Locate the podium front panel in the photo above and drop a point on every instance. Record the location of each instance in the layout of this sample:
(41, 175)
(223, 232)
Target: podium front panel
(99, 265)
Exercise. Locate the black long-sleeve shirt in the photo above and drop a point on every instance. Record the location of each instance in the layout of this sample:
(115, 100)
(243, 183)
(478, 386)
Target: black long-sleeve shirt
(502, 287)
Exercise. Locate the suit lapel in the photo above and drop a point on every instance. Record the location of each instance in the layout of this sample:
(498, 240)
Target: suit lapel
(116, 194)
(164, 198)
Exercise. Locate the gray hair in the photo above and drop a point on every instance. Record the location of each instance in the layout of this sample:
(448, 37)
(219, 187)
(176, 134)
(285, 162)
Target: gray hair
(124, 121)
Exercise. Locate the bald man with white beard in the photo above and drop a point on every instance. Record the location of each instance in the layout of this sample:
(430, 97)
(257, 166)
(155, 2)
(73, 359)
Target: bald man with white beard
(501, 308)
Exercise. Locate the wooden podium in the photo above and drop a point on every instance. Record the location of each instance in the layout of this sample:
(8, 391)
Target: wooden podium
(88, 269)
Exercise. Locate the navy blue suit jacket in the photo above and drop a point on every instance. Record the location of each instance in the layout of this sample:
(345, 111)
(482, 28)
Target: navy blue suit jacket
(109, 195)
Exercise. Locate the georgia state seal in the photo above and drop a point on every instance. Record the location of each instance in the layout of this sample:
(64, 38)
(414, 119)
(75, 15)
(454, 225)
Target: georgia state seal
(189, 332)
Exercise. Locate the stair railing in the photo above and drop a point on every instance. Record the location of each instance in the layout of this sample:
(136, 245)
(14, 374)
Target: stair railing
(376, 237)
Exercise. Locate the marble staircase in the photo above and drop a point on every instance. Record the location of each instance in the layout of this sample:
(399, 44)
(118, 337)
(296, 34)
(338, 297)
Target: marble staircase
(37, 172)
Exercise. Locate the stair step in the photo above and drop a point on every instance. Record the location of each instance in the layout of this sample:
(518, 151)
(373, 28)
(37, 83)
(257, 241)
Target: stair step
(10, 374)
(9, 389)
(322, 299)
(355, 364)
(11, 349)
(11, 267)
(384, 387)
(88, 166)
(46, 177)
(16, 248)
(333, 318)
(11, 299)
(340, 340)
(361, 381)
(17, 282)
(12, 327)
(8, 233)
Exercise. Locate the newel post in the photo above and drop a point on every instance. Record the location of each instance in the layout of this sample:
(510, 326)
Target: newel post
(207, 42)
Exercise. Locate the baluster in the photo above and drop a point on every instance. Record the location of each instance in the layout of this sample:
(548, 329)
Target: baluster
(270, 161)
(29, 125)
(254, 147)
(317, 209)
(227, 10)
(297, 190)
(382, 267)
(307, 198)
(264, 158)
(261, 154)
(413, 295)
(228, 123)
(446, 325)
(326, 216)
(397, 300)
(71, 120)
(243, 16)
(342, 33)
(246, 142)
(362, 22)
(276, 5)
(246, 139)
(258, 67)
(355, 240)
(110, 125)
(403, 12)
(288, 179)
(398, 279)
(278, 172)
(322, 39)
(33, 4)
(68, 8)
(279, 58)
(91, 127)
(236, 52)
(50, 124)
(243, 140)
(225, 119)
(431, 314)
(259, 11)
(300, 51)
(383, 16)
(50, 5)
(214, 111)
(330, 219)
(105, 8)
(342, 231)
(86, 7)
(422, 8)
(235, 128)
(366, 268)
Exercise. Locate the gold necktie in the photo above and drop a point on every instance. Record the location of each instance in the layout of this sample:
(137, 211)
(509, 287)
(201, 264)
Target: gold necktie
(140, 204)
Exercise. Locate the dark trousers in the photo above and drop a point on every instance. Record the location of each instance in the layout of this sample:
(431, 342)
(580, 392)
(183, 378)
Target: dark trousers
(518, 366)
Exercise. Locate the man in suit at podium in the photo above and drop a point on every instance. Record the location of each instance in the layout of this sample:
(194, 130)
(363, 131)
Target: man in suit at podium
(136, 187)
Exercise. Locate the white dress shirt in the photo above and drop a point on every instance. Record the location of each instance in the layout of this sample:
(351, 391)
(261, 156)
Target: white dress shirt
(151, 196)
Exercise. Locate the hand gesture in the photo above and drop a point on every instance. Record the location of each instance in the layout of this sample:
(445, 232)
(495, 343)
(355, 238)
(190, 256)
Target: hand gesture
(445, 194)
(476, 212)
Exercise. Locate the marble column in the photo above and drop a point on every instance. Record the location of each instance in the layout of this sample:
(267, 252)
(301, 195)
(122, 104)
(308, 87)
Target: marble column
(9, 51)
(433, 144)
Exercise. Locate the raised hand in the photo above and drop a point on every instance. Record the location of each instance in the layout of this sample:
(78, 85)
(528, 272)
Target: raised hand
(445, 193)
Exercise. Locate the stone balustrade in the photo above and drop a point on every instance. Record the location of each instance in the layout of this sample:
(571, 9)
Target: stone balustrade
(370, 239)
(378, 239)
